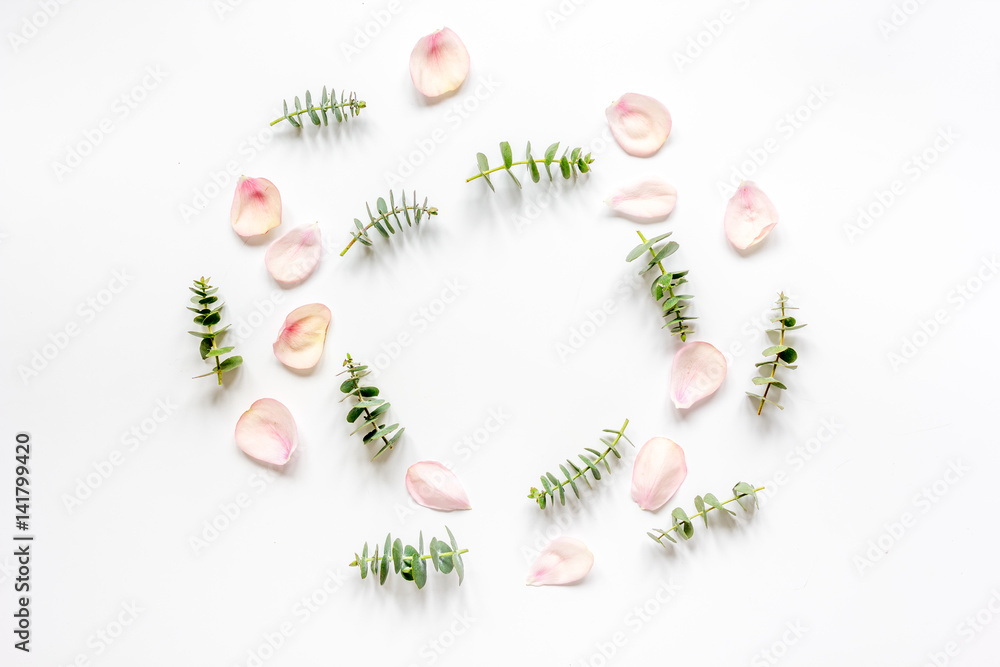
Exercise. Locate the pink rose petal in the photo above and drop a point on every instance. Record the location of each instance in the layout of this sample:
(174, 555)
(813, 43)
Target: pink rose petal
(293, 257)
(658, 471)
(645, 201)
(750, 216)
(300, 342)
(564, 561)
(433, 485)
(698, 370)
(639, 123)
(439, 63)
(267, 432)
(256, 207)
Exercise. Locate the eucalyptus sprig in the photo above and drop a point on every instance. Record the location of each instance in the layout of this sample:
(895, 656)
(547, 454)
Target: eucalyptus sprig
(208, 314)
(368, 406)
(783, 354)
(411, 215)
(552, 485)
(410, 562)
(347, 106)
(704, 504)
(665, 285)
(569, 164)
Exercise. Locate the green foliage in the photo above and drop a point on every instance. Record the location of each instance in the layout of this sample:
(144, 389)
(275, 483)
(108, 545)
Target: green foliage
(553, 486)
(348, 106)
(369, 408)
(784, 355)
(411, 215)
(683, 524)
(208, 314)
(665, 285)
(409, 561)
(571, 163)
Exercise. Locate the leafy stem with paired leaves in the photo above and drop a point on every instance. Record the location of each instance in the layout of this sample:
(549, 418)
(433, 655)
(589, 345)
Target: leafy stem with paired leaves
(666, 283)
(783, 354)
(368, 406)
(410, 561)
(347, 106)
(208, 314)
(571, 162)
(381, 222)
(683, 524)
(552, 485)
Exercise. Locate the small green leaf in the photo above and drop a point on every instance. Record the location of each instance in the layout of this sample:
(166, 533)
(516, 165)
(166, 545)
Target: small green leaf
(231, 363)
(397, 554)
(484, 164)
(550, 153)
(508, 158)
(788, 355)
(564, 167)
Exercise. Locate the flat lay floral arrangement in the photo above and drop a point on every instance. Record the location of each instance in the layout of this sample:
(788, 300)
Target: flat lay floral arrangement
(267, 431)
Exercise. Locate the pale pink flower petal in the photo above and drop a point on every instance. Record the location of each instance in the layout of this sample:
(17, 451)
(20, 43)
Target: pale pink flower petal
(300, 342)
(658, 471)
(564, 561)
(256, 207)
(698, 370)
(267, 432)
(645, 201)
(433, 485)
(293, 257)
(750, 216)
(639, 123)
(439, 63)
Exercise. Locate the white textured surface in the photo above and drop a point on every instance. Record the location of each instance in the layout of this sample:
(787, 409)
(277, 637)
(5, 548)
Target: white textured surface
(529, 266)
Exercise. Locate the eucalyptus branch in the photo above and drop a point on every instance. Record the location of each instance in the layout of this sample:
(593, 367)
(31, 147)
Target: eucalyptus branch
(704, 504)
(207, 314)
(569, 164)
(381, 222)
(665, 284)
(783, 354)
(551, 485)
(347, 106)
(368, 406)
(409, 561)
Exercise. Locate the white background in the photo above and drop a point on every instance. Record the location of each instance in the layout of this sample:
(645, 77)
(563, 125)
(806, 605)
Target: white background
(530, 266)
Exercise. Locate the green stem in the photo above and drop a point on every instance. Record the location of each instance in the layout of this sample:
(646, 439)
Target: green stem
(357, 104)
(357, 392)
(620, 434)
(429, 210)
(670, 291)
(410, 558)
(704, 511)
(781, 341)
(512, 164)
